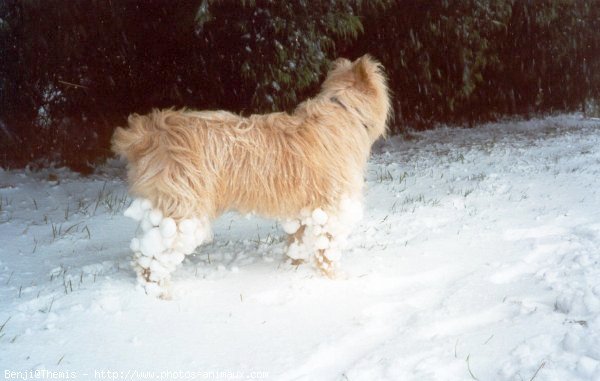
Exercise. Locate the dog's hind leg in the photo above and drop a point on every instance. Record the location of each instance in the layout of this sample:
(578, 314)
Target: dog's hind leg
(162, 245)
(325, 241)
(302, 232)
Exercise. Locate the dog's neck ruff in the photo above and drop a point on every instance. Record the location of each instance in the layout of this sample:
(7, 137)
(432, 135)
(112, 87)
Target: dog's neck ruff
(339, 103)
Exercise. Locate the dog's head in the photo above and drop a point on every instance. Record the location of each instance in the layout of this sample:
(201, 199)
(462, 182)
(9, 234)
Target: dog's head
(360, 87)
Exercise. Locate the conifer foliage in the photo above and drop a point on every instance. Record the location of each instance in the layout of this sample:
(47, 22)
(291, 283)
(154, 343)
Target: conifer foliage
(70, 71)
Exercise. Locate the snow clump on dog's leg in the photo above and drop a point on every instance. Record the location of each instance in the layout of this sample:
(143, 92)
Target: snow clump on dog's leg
(330, 233)
(296, 249)
(302, 232)
(325, 252)
(316, 235)
(162, 245)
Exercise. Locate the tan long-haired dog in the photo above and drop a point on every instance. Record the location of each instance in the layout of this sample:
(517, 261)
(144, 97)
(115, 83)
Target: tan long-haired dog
(305, 169)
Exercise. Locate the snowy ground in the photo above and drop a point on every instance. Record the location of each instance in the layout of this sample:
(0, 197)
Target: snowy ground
(477, 259)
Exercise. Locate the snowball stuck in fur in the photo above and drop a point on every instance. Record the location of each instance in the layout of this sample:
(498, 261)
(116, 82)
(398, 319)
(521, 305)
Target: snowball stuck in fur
(317, 230)
(151, 243)
(174, 257)
(157, 270)
(319, 216)
(290, 226)
(135, 210)
(202, 234)
(298, 250)
(186, 243)
(188, 226)
(168, 228)
(135, 245)
(155, 217)
(294, 252)
(144, 261)
(146, 225)
(322, 243)
(169, 242)
(145, 204)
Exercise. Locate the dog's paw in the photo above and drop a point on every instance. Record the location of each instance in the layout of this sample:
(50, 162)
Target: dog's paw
(324, 264)
(155, 290)
(297, 262)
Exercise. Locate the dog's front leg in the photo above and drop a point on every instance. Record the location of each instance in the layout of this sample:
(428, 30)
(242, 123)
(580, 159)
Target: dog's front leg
(297, 249)
(325, 233)
(315, 236)
(325, 241)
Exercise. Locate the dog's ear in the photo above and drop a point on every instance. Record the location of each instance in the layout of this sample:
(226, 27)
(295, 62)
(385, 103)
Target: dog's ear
(340, 62)
(363, 73)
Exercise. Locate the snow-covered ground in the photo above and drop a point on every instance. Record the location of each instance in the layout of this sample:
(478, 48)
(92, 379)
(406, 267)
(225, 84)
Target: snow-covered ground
(477, 259)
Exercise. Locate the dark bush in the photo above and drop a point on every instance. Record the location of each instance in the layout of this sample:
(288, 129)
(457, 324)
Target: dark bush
(70, 71)
(470, 60)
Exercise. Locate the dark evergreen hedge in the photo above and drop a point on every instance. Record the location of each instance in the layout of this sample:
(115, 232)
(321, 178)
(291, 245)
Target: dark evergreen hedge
(70, 71)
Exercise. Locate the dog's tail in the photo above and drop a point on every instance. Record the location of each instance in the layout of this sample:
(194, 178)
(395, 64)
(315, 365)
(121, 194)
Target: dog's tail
(163, 156)
(128, 143)
(140, 138)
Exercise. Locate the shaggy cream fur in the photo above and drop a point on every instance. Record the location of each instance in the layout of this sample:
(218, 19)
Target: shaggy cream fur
(198, 164)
